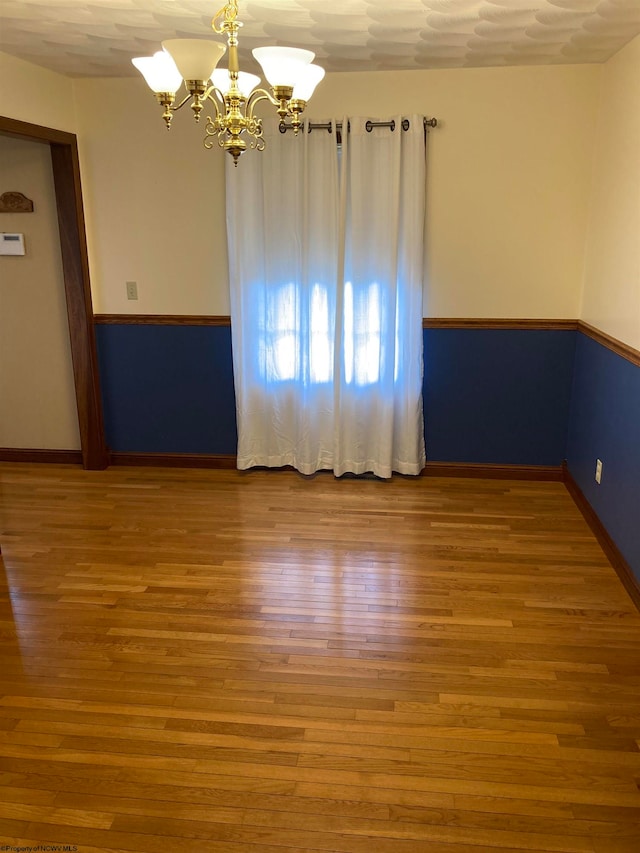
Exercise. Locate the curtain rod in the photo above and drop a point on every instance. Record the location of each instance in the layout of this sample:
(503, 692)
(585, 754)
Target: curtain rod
(428, 122)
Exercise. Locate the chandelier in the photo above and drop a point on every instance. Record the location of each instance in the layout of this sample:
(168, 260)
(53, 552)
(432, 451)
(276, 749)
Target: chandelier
(289, 71)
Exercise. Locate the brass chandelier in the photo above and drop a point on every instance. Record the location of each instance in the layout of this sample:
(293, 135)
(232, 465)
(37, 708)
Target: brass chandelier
(288, 70)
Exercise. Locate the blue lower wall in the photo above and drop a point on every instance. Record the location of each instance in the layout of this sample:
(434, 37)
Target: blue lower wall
(604, 424)
(498, 396)
(167, 389)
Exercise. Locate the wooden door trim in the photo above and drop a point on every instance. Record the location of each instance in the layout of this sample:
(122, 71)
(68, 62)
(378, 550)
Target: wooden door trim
(75, 267)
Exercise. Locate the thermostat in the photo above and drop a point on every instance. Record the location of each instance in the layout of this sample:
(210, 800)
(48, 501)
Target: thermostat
(11, 244)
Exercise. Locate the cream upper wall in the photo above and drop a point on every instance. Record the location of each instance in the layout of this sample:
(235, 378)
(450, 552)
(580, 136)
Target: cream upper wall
(154, 204)
(508, 187)
(34, 94)
(508, 184)
(611, 300)
(507, 180)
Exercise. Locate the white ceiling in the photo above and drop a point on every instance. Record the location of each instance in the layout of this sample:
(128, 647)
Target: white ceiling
(99, 37)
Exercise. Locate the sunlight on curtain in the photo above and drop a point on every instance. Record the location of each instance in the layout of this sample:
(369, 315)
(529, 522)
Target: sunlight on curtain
(321, 346)
(282, 341)
(362, 351)
(326, 300)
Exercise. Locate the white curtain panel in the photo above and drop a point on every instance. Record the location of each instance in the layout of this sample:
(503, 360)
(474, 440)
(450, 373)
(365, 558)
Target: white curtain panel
(326, 263)
(282, 225)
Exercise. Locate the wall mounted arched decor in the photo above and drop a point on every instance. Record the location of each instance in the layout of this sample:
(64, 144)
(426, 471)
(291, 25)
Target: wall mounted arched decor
(15, 202)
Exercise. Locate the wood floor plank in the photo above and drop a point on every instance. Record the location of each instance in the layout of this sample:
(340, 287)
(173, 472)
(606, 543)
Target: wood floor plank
(259, 662)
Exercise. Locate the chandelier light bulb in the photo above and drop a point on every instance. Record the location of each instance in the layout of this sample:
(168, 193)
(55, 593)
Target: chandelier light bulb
(307, 82)
(195, 58)
(282, 66)
(159, 71)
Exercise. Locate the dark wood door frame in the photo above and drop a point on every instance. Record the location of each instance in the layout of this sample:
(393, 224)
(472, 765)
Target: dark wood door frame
(75, 267)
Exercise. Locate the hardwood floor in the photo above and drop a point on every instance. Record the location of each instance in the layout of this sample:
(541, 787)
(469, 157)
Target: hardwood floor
(217, 662)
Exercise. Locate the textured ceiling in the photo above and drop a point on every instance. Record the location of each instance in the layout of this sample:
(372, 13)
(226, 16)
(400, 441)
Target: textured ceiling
(99, 37)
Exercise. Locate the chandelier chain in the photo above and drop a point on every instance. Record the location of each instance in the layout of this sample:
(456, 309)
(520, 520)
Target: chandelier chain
(227, 15)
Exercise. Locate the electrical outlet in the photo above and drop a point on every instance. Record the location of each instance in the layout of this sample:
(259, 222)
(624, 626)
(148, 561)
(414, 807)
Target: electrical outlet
(598, 470)
(132, 290)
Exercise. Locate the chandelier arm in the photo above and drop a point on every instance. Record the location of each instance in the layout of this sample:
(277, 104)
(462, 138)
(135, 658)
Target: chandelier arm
(217, 101)
(259, 95)
(185, 100)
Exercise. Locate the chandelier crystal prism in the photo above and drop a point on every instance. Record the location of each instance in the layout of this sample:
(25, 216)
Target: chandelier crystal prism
(290, 72)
